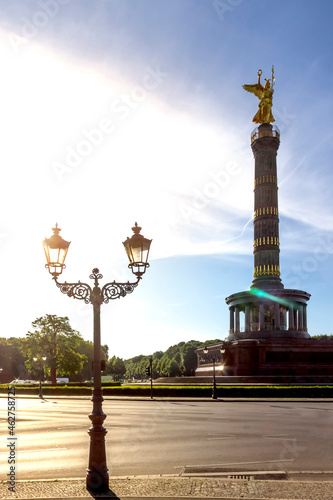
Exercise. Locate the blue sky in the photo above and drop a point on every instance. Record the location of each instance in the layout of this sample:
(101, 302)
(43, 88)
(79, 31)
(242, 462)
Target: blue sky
(125, 110)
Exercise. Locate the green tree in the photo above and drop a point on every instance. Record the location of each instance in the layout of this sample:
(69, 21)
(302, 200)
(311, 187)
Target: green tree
(54, 338)
(156, 363)
(174, 369)
(115, 367)
(12, 360)
(86, 348)
(189, 357)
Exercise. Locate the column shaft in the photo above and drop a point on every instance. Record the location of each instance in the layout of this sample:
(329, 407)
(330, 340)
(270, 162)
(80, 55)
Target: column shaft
(237, 318)
(232, 319)
(291, 317)
(277, 315)
(247, 317)
(261, 316)
(300, 317)
(305, 324)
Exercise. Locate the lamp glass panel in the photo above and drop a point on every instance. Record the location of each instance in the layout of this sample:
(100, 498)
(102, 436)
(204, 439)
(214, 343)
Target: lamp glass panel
(136, 253)
(46, 250)
(53, 253)
(127, 245)
(145, 250)
(62, 255)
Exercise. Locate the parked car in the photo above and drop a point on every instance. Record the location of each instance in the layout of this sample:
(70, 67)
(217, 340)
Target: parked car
(17, 381)
(60, 380)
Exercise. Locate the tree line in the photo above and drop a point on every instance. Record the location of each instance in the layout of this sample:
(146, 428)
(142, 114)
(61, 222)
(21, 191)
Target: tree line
(178, 360)
(67, 354)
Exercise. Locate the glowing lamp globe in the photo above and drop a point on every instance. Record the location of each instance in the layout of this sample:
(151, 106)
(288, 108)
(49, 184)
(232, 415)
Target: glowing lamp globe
(137, 249)
(55, 249)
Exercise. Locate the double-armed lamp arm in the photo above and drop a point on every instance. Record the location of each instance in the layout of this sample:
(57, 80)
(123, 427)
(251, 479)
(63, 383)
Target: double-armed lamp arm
(85, 292)
(137, 248)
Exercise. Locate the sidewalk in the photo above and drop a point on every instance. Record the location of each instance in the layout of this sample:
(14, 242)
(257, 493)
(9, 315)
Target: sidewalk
(166, 487)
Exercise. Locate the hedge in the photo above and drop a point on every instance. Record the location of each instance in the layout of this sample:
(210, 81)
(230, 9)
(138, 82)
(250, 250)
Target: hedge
(249, 391)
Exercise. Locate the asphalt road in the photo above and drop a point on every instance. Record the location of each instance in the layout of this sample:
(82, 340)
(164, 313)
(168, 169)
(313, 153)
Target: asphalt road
(162, 437)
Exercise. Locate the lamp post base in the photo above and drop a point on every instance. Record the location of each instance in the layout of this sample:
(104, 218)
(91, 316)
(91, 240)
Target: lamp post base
(97, 471)
(40, 390)
(214, 392)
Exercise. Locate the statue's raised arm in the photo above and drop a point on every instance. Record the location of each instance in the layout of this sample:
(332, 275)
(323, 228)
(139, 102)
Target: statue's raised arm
(265, 94)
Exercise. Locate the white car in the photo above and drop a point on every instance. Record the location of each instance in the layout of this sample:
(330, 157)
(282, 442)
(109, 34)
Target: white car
(23, 382)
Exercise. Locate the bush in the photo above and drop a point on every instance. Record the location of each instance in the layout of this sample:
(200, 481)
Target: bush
(115, 389)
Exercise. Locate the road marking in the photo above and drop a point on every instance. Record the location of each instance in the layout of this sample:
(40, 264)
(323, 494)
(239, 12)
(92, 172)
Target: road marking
(322, 409)
(71, 426)
(283, 407)
(218, 436)
(67, 411)
(34, 451)
(240, 463)
(285, 437)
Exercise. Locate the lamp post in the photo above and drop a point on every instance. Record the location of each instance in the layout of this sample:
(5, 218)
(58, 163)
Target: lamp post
(41, 370)
(149, 372)
(137, 248)
(214, 359)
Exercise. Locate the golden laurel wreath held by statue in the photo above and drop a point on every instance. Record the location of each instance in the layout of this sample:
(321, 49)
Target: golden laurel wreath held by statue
(265, 94)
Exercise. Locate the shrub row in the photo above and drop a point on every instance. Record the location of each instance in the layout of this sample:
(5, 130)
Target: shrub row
(184, 391)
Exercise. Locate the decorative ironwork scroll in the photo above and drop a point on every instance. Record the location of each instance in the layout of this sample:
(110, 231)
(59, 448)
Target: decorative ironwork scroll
(79, 290)
(110, 291)
(115, 290)
(96, 275)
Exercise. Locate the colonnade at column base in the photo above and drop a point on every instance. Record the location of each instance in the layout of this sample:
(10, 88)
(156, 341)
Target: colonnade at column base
(268, 313)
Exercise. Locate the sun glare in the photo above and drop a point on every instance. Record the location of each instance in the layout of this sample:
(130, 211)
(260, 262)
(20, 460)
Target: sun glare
(76, 128)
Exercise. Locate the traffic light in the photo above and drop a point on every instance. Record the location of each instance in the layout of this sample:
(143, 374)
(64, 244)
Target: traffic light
(148, 371)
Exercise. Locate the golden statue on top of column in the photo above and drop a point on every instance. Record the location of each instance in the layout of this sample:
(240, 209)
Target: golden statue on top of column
(265, 94)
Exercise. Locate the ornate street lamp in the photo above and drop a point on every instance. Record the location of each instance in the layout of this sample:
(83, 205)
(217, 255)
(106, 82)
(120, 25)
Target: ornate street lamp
(55, 249)
(41, 370)
(214, 359)
(137, 248)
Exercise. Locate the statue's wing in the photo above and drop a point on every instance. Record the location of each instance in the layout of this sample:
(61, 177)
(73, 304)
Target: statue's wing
(256, 89)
